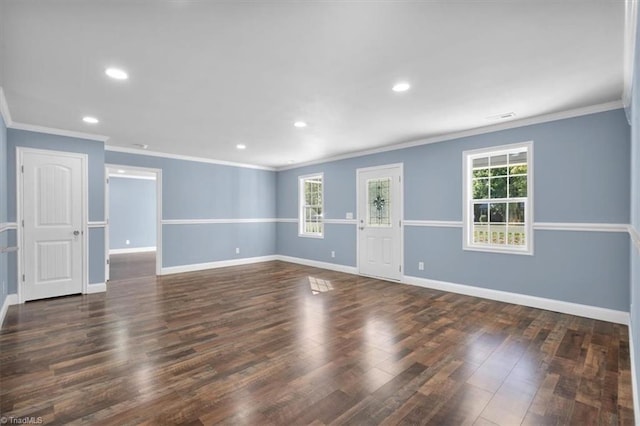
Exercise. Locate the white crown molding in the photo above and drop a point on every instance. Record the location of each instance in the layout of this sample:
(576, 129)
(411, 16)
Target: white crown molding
(608, 106)
(212, 265)
(96, 224)
(184, 157)
(132, 250)
(5, 226)
(4, 109)
(434, 223)
(587, 311)
(317, 264)
(587, 227)
(11, 299)
(96, 288)
(58, 132)
(630, 29)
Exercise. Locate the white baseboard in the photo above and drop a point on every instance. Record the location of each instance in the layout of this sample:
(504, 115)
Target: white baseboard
(318, 264)
(11, 299)
(212, 265)
(132, 250)
(96, 288)
(634, 381)
(594, 312)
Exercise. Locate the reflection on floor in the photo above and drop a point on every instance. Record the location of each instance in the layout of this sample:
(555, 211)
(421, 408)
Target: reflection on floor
(132, 265)
(253, 345)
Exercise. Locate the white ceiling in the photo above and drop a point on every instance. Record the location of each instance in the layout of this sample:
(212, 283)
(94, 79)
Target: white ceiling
(207, 75)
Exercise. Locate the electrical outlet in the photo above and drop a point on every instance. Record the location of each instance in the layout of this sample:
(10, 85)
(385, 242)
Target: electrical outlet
(127, 242)
(333, 253)
(421, 266)
(237, 250)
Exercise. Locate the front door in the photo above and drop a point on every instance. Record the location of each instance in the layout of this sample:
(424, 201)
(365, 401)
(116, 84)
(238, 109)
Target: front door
(52, 194)
(379, 222)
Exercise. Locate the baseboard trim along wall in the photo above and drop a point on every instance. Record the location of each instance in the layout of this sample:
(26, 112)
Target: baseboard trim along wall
(594, 312)
(213, 265)
(132, 250)
(634, 380)
(317, 264)
(11, 299)
(96, 288)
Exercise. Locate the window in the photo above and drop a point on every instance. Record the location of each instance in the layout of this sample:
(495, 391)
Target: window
(311, 206)
(498, 199)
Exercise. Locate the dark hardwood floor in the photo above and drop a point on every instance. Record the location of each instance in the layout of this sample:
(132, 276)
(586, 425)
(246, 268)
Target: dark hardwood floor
(278, 343)
(132, 265)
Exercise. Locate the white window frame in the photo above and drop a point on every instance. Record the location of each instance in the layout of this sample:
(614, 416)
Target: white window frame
(467, 201)
(301, 206)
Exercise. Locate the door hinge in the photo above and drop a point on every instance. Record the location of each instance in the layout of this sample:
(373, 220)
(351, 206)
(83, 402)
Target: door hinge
(107, 180)
(400, 268)
(400, 223)
(23, 223)
(22, 169)
(107, 261)
(22, 277)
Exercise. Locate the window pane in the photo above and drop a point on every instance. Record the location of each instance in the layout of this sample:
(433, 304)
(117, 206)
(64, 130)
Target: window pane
(516, 212)
(518, 158)
(480, 233)
(498, 212)
(480, 173)
(497, 233)
(480, 213)
(480, 189)
(518, 170)
(515, 235)
(517, 186)
(499, 187)
(499, 171)
(480, 162)
(378, 202)
(498, 160)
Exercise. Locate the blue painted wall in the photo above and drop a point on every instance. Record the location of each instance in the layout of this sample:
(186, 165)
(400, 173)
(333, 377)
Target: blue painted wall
(4, 236)
(95, 154)
(635, 208)
(197, 190)
(582, 174)
(132, 213)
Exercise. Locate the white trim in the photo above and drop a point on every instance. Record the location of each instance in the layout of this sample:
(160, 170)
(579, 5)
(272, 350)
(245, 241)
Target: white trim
(4, 109)
(317, 264)
(97, 224)
(434, 223)
(212, 221)
(132, 250)
(5, 226)
(545, 118)
(11, 299)
(128, 176)
(594, 312)
(630, 28)
(58, 132)
(287, 220)
(589, 227)
(184, 157)
(20, 152)
(96, 288)
(341, 221)
(212, 265)
(301, 197)
(634, 369)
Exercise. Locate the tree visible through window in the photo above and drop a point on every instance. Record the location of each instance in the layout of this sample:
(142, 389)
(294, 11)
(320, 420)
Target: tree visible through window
(498, 199)
(311, 205)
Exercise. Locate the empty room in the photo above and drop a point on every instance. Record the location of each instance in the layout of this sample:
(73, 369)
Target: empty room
(310, 212)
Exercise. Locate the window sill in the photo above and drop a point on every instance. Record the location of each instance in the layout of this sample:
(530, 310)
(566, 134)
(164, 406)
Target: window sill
(527, 252)
(319, 236)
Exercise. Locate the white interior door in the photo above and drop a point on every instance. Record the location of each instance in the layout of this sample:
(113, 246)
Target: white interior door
(53, 229)
(380, 221)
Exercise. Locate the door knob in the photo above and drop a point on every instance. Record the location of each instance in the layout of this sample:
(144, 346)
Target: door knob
(76, 233)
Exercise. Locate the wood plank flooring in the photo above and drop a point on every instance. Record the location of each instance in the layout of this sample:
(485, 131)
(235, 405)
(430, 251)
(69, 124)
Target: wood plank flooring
(284, 344)
(132, 265)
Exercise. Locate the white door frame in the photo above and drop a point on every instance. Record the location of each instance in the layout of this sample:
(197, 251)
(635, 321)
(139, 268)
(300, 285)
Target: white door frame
(359, 214)
(84, 158)
(158, 173)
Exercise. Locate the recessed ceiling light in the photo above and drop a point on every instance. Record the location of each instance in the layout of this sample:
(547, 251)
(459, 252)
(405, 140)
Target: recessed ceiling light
(141, 145)
(120, 171)
(90, 120)
(402, 86)
(116, 73)
(241, 146)
(503, 116)
(300, 124)
(291, 161)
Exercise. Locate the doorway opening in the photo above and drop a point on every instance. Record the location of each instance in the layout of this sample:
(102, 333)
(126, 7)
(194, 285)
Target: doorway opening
(133, 235)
